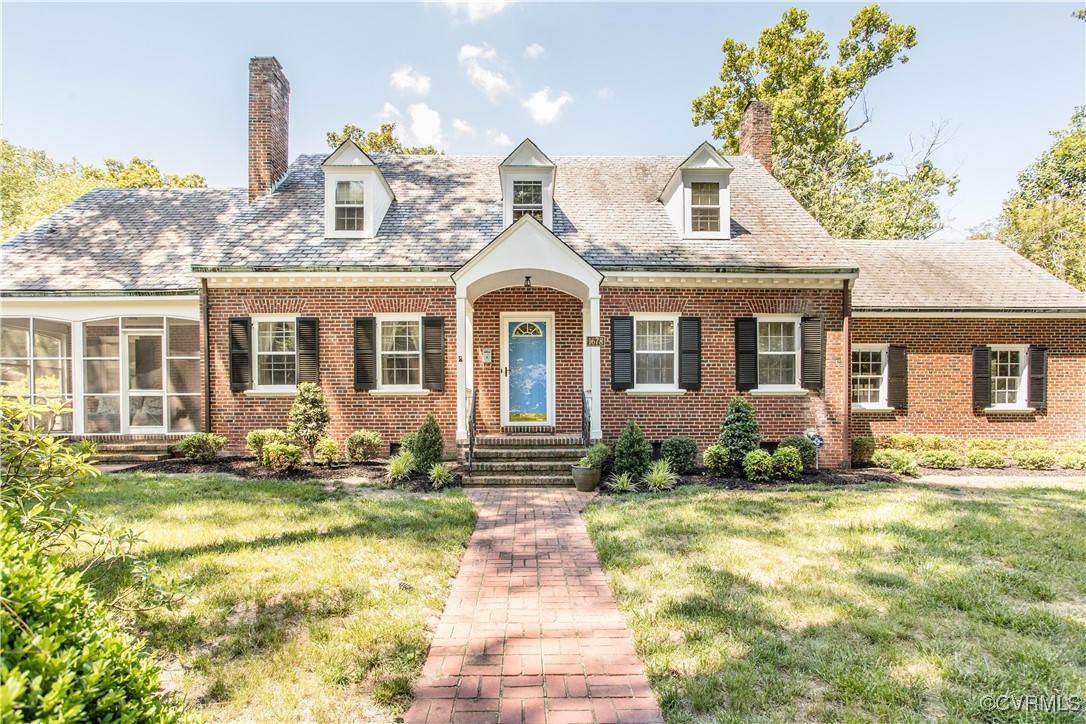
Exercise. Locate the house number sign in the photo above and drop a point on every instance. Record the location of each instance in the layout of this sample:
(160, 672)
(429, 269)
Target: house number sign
(593, 341)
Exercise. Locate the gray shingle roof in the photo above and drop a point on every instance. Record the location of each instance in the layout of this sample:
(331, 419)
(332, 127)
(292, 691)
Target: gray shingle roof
(117, 240)
(978, 274)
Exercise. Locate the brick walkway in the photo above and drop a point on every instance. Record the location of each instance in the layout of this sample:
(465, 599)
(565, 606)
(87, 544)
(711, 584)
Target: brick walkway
(531, 632)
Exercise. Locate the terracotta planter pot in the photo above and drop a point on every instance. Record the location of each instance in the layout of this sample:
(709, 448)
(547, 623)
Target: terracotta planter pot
(585, 479)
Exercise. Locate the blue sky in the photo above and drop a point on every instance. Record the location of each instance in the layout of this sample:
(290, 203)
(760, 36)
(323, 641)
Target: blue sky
(168, 81)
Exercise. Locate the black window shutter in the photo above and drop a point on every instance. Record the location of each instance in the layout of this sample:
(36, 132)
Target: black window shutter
(897, 393)
(239, 330)
(622, 362)
(305, 332)
(1038, 377)
(690, 353)
(365, 353)
(982, 377)
(433, 353)
(812, 355)
(746, 353)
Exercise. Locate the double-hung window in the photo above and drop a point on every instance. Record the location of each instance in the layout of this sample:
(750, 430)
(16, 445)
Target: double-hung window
(528, 199)
(350, 208)
(778, 354)
(869, 376)
(1009, 367)
(400, 353)
(704, 207)
(655, 349)
(276, 358)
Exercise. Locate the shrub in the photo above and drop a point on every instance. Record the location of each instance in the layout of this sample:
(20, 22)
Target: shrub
(622, 483)
(808, 453)
(999, 446)
(362, 446)
(787, 463)
(282, 456)
(429, 445)
(1073, 461)
(440, 475)
(1027, 443)
(660, 477)
(901, 462)
(1063, 446)
(717, 459)
(401, 465)
(201, 446)
(1036, 459)
(595, 456)
(938, 442)
(904, 441)
(681, 453)
(308, 417)
(633, 453)
(257, 439)
(861, 449)
(758, 466)
(940, 459)
(327, 451)
(407, 442)
(86, 448)
(982, 458)
(739, 432)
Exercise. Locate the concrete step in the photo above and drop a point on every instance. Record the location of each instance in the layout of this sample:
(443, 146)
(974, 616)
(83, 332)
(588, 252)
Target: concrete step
(132, 457)
(513, 479)
(132, 447)
(528, 441)
(527, 453)
(522, 466)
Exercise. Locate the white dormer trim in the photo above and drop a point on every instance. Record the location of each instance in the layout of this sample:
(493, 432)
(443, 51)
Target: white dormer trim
(705, 164)
(528, 163)
(351, 163)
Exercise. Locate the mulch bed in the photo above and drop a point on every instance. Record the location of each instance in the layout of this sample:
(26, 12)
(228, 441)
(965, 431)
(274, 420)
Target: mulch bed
(1003, 473)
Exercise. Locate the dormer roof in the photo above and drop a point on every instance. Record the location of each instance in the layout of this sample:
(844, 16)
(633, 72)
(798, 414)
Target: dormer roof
(527, 154)
(350, 157)
(704, 158)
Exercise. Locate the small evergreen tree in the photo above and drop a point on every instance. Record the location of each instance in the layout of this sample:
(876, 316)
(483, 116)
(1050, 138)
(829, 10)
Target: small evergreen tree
(308, 417)
(740, 432)
(428, 446)
(633, 453)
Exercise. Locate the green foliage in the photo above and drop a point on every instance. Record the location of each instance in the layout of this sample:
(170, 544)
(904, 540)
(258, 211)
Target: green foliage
(380, 141)
(622, 483)
(401, 465)
(717, 459)
(282, 456)
(308, 417)
(758, 466)
(257, 439)
(1036, 459)
(808, 453)
(788, 463)
(363, 446)
(861, 449)
(440, 475)
(984, 458)
(817, 109)
(1068, 446)
(681, 452)
(327, 451)
(985, 444)
(86, 448)
(901, 462)
(407, 442)
(1026, 443)
(939, 442)
(429, 445)
(660, 477)
(904, 441)
(595, 456)
(201, 446)
(1073, 461)
(940, 459)
(633, 453)
(739, 432)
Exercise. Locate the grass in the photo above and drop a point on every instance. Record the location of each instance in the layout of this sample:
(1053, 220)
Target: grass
(304, 601)
(881, 602)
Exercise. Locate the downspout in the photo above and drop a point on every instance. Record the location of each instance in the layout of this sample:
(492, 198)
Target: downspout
(846, 324)
(205, 317)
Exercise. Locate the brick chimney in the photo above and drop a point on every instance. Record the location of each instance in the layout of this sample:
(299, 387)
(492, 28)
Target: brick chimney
(269, 113)
(755, 136)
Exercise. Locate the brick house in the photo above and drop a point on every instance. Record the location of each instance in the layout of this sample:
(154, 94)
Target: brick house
(525, 295)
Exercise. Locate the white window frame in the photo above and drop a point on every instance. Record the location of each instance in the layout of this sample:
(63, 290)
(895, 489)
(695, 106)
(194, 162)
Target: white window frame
(380, 320)
(331, 179)
(674, 319)
(795, 385)
(542, 175)
(884, 355)
(257, 320)
(67, 366)
(528, 208)
(1022, 403)
(691, 177)
(336, 205)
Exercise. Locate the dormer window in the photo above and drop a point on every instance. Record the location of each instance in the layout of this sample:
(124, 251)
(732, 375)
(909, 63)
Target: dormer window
(528, 199)
(704, 207)
(527, 178)
(697, 197)
(350, 206)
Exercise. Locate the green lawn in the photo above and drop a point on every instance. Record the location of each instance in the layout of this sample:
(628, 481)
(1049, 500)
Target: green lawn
(880, 602)
(306, 601)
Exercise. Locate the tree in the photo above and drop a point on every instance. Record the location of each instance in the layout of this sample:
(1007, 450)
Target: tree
(1044, 219)
(817, 110)
(308, 417)
(381, 141)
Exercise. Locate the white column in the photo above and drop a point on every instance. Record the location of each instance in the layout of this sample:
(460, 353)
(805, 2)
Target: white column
(593, 362)
(77, 378)
(462, 365)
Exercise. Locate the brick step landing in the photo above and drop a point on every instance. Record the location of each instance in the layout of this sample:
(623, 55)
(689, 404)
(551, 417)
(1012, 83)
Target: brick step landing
(524, 460)
(132, 452)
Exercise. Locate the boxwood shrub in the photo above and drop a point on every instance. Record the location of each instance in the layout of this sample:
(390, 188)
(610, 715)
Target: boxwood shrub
(1036, 459)
(787, 463)
(808, 453)
(988, 459)
(362, 446)
(901, 462)
(681, 453)
(758, 466)
(716, 459)
(1073, 461)
(201, 446)
(940, 459)
(861, 449)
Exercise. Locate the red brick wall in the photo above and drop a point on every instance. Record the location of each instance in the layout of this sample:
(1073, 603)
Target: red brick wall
(234, 414)
(940, 377)
(699, 414)
(568, 351)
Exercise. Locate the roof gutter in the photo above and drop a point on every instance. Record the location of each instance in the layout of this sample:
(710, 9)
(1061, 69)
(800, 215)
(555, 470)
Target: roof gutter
(49, 293)
(947, 312)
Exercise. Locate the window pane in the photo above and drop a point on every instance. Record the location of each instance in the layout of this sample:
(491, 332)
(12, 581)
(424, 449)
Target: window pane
(777, 369)
(14, 337)
(399, 336)
(655, 336)
(705, 194)
(276, 369)
(48, 422)
(350, 192)
(275, 336)
(776, 336)
(145, 362)
(101, 339)
(527, 193)
(15, 378)
(145, 411)
(102, 413)
(653, 368)
(51, 378)
(1006, 376)
(867, 376)
(350, 218)
(102, 375)
(400, 369)
(184, 375)
(705, 219)
(186, 413)
(184, 338)
(52, 339)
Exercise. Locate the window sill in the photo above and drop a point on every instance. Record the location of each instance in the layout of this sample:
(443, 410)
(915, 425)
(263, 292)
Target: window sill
(1008, 410)
(863, 408)
(650, 393)
(391, 393)
(270, 393)
(782, 392)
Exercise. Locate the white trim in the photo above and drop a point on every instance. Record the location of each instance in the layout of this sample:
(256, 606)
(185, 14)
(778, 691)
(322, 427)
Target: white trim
(1008, 410)
(256, 320)
(972, 314)
(405, 392)
(797, 336)
(725, 280)
(400, 389)
(1022, 403)
(545, 176)
(503, 319)
(127, 392)
(779, 391)
(639, 392)
(723, 204)
(375, 278)
(664, 388)
(884, 356)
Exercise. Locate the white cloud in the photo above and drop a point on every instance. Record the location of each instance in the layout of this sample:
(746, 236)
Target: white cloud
(498, 138)
(387, 113)
(605, 93)
(425, 126)
(546, 108)
(462, 128)
(476, 10)
(490, 82)
(534, 51)
(406, 79)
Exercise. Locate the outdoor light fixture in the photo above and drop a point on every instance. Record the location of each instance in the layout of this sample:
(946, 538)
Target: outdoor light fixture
(527, 282)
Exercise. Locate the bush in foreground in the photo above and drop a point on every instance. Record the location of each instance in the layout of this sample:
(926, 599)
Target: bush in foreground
(901, 462)
(440, 475)
(1073, 461)
(400, 466)
(633, 453)
(282, 456)
(1036, 459)
(308, 417)
(986, 459)
(201, 446)
(327, 451)
(362, 446)
(595, 456)
(787, 463)
(758, 466)
(622, 483)
(660, 477)
(681, 452)
(808, 453)
(258, 439)
(429, 445)
(861, 448)
(716, 459)
(739, 432)
(940, 459)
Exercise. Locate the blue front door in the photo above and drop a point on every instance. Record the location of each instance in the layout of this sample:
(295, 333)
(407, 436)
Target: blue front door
(528, 372)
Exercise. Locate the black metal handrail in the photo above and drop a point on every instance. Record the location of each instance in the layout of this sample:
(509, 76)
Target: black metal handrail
(586, 419)
(471, 431)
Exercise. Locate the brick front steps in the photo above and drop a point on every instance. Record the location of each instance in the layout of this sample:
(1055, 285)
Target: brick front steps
(537, 460)
(132, 452)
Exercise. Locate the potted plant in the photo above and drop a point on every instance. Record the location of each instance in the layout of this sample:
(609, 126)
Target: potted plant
(586, 473)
